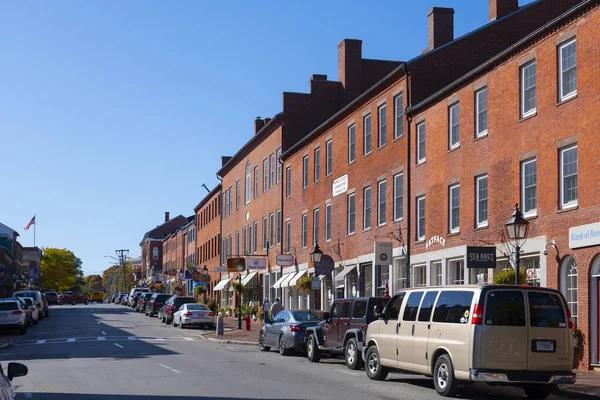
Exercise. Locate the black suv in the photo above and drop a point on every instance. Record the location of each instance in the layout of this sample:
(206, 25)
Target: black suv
(143, 301)
(154, 303)
(343, 329)
(172, 305)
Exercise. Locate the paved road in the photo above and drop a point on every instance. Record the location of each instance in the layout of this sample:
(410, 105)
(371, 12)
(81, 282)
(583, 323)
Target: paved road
(110, 352)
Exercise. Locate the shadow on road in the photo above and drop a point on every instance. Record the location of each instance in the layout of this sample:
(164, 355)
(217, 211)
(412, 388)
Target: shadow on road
(77, 396)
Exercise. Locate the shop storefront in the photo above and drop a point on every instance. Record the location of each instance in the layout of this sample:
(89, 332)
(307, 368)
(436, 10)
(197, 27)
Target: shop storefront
(226, 296)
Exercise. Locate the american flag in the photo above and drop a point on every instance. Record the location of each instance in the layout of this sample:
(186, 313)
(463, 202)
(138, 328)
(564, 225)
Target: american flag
(32, 222)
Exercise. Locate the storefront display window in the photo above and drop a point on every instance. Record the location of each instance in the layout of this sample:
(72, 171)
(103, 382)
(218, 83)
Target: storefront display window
(436, 273)
(400, 274)
(456, 272)
(420, 276)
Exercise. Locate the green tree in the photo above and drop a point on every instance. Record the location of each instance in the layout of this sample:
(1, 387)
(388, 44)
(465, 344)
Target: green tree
(60, 269)
(92, 283)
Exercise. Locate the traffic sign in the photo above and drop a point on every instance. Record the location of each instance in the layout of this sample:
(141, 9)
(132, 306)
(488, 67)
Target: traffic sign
(232, 264)
(285, 260)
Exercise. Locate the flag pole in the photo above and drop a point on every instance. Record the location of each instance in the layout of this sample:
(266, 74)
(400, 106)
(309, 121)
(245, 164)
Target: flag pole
(34, 225)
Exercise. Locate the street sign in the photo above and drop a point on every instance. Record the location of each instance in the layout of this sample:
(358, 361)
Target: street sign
(285, 260)
(315, 283)
(326, 265)
(256, 264)
(383, 253)
(481, 257)
(232, 264)
(221, 269)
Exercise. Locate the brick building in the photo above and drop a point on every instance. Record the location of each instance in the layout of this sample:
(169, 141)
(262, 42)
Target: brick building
(521, 128)
(189, 255)
(174, 250)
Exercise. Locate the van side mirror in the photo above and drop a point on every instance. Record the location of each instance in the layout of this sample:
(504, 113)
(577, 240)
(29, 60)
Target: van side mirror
(16, 370)
(326, 316)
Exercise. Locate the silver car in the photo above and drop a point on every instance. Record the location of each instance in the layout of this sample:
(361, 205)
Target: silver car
(286, 331)
(193, 314)
(13, 315)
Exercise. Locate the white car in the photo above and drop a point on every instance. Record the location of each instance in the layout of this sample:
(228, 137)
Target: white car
(193, 314)
(38, 300)
(13, 316)
(35, 313)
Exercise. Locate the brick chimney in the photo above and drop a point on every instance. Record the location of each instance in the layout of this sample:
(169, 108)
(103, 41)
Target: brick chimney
(350, 68)
(267, 120)
(167, 216)
(225, 160)
(440, 27)
(501, 8)
(258, 124)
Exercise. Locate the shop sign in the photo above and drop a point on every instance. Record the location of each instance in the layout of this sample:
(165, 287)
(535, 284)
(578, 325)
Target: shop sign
(383, 253)
(435, 239)
(284, 260)
(584, 235)
(232, 264)
(256, 264)
(340, 185)
(481, 257)
(315, 283)
(326, 265)
(221, 269)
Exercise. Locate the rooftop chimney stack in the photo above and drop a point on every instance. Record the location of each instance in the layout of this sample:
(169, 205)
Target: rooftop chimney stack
(349, 68)
(501, 8)
(440, 27)
(258, 124)
(167, 216)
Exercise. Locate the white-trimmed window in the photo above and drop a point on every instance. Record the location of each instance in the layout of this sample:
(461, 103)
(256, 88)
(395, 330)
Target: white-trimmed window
(271, 229)
(454, 208)
(288, 181)
(304, 230)
(317, 164)
(248, 186)
(367, 207)
(265, 175)
(237, 243)
(568, 177)
(436, 273)
(398, 197)
(329, 157)
(305, 172)
(456, 272)
(249, 238)
(288, 233)
(381, 137)
(421, 142)
(420, 276)
(420, 218)
(529, 187)
(237, 194)
(398, 116)
(528, 89)
(454, 125)
(272, 170)
(264, 232)
(278, 227)
(351, 213)
(315, 225)
(481, 112)
(569, 285)
(255, 237)
(381, 202)
(366, 134)
(279, 166)
(351, 143)
(327, 222)
(567, 64)
(255, 181)
(481, 200)
(244, 249)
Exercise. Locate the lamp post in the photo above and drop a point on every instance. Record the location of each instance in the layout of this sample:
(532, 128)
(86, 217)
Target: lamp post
(240, 268)
(204, 276)
(517, 228)
(315, 257)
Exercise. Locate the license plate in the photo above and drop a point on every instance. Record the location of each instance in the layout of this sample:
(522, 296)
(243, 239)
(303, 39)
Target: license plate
(544, 346)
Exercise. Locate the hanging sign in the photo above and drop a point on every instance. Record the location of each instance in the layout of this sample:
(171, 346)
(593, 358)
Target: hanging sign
(383, 253)
(481, 257)
(284, 260)
(256, 264)
(232, 264)
(326, 265)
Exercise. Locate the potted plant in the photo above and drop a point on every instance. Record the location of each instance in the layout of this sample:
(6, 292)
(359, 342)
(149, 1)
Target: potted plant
(151, 288)
(228, 311)
(577, 336)
(304, 284)
(507, 277)
(199, 291)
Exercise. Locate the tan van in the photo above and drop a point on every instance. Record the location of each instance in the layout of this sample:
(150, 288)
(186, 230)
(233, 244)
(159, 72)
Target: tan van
(498, 334)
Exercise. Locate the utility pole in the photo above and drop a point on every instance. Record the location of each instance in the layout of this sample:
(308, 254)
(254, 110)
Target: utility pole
(123, 254)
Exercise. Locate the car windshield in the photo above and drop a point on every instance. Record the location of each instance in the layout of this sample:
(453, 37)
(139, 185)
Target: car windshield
(27, 294)
(305, 316)
(8, 305)
(195, 307)
(28, 301)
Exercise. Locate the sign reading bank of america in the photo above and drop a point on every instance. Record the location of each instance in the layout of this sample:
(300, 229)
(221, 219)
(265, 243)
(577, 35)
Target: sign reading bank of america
(584, 235)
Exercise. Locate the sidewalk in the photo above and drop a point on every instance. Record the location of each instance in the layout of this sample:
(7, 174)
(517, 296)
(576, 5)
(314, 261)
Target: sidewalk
(232, 335)
(586, 387)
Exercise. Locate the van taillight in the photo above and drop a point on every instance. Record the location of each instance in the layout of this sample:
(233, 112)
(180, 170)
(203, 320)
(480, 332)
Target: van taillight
(18, 312)
(477, 317)
(571, 325)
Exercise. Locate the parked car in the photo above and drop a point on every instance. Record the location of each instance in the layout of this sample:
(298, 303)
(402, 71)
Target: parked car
(120, 298)
(14, 370)
(497, 334)
(134, 295)
(52, 297)
(25, 308)
(35, 313)
(13, 316)
(71, 297)
(38, 299)
(286, 331)
(154, 304)
(172, 305)
(342, 330)
(142, 301)
(194, 314)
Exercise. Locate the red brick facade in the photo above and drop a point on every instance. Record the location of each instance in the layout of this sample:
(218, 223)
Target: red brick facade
(208, 236)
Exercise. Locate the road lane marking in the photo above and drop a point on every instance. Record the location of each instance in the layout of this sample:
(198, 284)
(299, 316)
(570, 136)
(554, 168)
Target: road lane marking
(131, 338)
(98, 323)
(159, 338)
(118, 345)
(101, 338)
(169, 368)
(189, 339)
(71, 340)
(104, 333)
(41, 341)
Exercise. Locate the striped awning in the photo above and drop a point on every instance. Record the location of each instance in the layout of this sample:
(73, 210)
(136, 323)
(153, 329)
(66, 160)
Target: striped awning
(221, 285)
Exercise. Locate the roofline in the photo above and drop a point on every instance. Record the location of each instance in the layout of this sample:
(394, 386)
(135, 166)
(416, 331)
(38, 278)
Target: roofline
(315, 132)
(259, 135)
(500, 56)
(207, 197)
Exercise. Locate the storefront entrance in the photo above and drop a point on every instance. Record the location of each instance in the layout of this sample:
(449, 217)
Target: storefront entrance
(595, 310)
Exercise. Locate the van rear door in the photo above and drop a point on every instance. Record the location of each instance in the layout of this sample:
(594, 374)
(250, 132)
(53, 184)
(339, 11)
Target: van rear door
(550, 345)
(501, 341)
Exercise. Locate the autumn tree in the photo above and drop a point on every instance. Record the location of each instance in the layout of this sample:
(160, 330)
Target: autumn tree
(92, 283)
(60, 269)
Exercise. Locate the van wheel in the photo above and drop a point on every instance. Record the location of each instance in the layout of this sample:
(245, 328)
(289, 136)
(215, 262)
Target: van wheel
(312, 350)
(443, 377)
(354, 360)
(538, 392)
(374, 369)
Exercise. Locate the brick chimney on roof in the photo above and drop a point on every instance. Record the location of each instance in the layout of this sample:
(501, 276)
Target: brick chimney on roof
(440, 27)
(167, 216)
(258, 124)
(501, 8)
(350, 69)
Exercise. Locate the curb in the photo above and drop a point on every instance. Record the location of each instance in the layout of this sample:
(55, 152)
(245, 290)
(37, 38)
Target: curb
(6, 345)
(226, 341)
(576, 394)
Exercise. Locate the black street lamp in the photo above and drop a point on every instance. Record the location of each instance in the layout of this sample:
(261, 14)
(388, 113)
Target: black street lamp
(239, 267)
(517, 228)
(315, 257)
(204, 280)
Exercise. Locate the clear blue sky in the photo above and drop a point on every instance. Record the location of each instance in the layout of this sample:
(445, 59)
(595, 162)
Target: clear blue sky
(112, 112)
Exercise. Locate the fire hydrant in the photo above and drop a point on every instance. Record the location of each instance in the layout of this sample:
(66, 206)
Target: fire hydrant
(247, 320)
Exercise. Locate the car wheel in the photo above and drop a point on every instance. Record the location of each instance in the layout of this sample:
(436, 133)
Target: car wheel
(312, 350)
(282, 350)
(35, 321)
(174, 324)
(86, 303)
(23, 330)
(443, 377)
(74, 302)
(538, 392)
(374, 369)
(181, 325)
(353, 357)
(261, 342)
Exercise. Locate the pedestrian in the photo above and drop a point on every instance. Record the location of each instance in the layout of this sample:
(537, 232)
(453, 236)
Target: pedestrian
(276, 308)
(265, 309)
